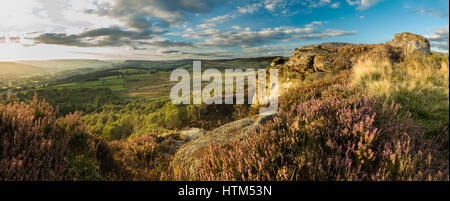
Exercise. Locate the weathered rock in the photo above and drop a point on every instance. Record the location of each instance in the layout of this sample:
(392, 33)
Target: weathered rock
(324, 63)
(193, 133)
(329, 57)
(383, 53)
(302, 61)
(332, 47)
(315, 49)
(411, 43)
(304, 49)
(189, 156)
(278, 61)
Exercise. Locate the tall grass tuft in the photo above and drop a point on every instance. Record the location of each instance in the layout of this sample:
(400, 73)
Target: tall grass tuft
(419, 84)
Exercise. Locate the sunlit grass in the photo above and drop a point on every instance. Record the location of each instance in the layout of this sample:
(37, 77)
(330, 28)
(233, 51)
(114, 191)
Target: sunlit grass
(420, 85)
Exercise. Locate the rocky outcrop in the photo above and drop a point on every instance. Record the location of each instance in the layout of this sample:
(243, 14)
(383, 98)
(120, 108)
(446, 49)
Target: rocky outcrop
(189, 156)
(411, 43)
(329, 57)
(314, 61)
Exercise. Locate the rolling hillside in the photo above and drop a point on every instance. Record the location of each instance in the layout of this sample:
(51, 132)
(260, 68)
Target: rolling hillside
(66, 64)
(12, 69)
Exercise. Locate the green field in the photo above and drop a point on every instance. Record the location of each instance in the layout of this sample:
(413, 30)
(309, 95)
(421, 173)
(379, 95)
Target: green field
(146, 79)
(107, 82)
(142, 84)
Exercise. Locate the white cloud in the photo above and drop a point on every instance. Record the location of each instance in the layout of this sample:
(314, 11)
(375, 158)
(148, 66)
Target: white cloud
(212, 22)
(236, 27)
(439, 39)
(335, 5)
(252, 8)
(363, 4)
(20, 15)
(319, 3)
(271, 5)
(66, 16)
(247, 38)
(432, 12)
(206, 25)
(220, 19)
(314, 23)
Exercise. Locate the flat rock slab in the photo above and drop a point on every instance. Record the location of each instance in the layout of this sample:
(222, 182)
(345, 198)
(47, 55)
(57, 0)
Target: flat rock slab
(193, 133)
(189, 156)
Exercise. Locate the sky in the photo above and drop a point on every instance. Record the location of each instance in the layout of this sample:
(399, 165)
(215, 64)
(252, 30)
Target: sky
(206, 29)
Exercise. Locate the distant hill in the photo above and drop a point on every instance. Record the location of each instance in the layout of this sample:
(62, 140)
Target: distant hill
(184, 62)
(13, 69)
(27, 68)
(67, 64)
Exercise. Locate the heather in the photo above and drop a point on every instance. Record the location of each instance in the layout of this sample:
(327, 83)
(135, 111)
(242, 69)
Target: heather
(347, 112)
(331, 137)
(35, 143)
(385, 119)
(146, 157)
(357, 112)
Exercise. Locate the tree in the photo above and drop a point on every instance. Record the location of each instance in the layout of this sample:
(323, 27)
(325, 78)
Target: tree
(174, 116)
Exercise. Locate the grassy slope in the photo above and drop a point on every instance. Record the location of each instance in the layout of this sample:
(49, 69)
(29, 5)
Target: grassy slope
(420, 85)
(425, 82)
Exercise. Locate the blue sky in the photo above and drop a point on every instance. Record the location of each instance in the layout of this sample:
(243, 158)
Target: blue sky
(205, 29)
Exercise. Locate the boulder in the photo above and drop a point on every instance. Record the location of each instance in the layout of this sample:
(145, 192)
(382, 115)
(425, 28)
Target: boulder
(411, 43)
(302, 61)
(324, 63)
(189, 156)
(383, 53)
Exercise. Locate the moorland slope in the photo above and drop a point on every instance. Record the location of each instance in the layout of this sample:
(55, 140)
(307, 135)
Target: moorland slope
(346, 112)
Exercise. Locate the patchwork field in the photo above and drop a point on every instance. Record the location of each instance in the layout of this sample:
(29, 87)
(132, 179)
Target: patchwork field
(145, 80)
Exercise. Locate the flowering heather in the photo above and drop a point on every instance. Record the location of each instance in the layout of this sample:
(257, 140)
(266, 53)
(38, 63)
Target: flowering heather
(33, 142)
(331, 137)
(146, 157)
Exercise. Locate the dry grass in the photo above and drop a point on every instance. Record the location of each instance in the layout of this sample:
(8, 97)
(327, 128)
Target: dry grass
(420, 85)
